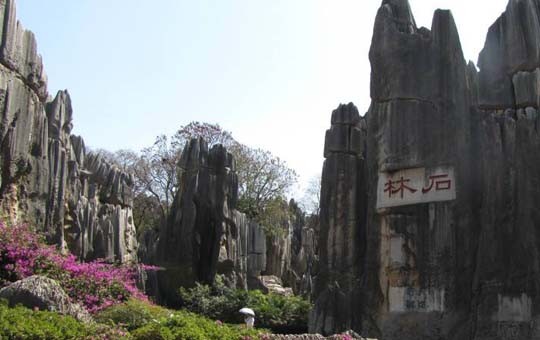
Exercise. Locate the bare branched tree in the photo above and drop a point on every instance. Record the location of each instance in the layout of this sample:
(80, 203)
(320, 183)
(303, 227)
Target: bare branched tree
(264, 180)
(311, 199)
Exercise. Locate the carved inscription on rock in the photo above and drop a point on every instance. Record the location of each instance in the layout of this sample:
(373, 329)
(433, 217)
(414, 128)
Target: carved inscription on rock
(415, 186)
(409, 299)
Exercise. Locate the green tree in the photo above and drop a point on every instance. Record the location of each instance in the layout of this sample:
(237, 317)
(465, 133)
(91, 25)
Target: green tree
(263, 178)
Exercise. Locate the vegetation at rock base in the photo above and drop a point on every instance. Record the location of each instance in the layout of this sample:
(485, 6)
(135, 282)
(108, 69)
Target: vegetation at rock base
(281, 314)
(133, 320)
(24, 323)
(95, 285)
(120, 310)
(188, 326)
(146, 321)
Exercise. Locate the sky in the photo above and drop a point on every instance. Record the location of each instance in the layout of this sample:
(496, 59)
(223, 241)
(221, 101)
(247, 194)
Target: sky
(271, 72)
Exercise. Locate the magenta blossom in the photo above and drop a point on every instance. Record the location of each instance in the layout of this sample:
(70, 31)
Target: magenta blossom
(96, 284)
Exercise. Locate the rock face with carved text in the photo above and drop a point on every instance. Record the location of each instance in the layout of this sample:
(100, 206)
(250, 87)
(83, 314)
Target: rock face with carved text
(48, 179)
(430, 228)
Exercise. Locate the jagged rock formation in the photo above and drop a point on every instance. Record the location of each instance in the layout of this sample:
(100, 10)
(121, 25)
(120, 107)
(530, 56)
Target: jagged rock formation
(507, 276)
(341, 245)
(306, 262)
(423, 254)
(290, 254)
(48, 179)
(99, 216)
(279, 246)
(510, 57)
(205, 234)
(255, 250)
(303, 250)
(429, 231)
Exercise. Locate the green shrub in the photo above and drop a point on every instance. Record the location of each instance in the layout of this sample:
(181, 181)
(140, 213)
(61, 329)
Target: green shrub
(188, 326)
(132, 314)
(24, 323)
(148, 322)
(279, 313)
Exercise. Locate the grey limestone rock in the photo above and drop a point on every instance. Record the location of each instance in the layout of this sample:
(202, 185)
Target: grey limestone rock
(45, 294)
(89, 208)
(526, 88)
(512, 45)
(18, 50)
(273, 284)
(279, 250)
(462, 268)
(205, 235)
(78, 200)
(252, 252)
(340, 245)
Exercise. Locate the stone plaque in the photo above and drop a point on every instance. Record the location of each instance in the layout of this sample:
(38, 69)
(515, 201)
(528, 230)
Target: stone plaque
(408, 299)
(414, 186)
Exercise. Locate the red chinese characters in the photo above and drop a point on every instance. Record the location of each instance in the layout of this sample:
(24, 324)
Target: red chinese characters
(400, 187)
(439, 182)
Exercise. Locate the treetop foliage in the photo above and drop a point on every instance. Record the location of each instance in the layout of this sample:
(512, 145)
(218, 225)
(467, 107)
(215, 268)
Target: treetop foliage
(264, 179)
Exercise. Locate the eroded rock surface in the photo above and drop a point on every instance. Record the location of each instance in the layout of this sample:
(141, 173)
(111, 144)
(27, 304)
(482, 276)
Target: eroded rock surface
(342, 222)
(48, 179)
(45, 294)
(205, 234)
(441, 203)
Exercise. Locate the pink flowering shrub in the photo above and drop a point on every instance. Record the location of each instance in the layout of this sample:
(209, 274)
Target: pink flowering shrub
(96, 284)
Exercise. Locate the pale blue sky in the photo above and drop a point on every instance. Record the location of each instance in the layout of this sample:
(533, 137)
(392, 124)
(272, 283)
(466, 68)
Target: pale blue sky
(269, 71)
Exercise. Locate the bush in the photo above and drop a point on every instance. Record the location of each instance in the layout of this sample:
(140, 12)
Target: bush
(24, 323)
(147, 321)
(188, 326)
(132, 314)
(281, 314)
(95, 284)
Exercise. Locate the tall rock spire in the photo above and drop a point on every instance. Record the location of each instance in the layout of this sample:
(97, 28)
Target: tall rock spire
(397, 271)
(451, 166)
(342, 225)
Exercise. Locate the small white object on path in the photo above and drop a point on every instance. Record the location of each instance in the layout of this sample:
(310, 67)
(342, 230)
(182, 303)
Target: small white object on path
(247, 311)
(249, 316)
